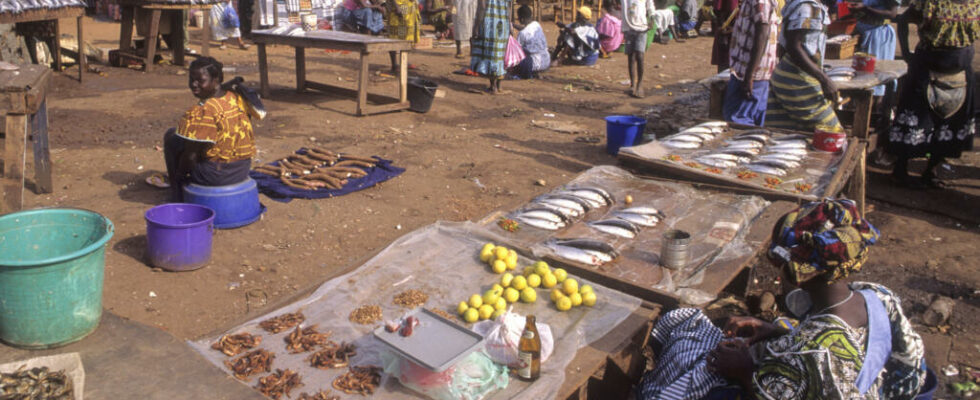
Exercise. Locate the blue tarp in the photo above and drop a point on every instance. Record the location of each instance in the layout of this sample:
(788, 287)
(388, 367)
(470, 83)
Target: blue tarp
(274, 188)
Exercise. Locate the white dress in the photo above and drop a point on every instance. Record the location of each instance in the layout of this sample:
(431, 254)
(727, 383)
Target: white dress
(463, 19)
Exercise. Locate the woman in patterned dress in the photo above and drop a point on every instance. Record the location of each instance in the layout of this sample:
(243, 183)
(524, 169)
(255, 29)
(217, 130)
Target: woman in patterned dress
(852, 342)
(491, 29)
(935, 112)
(403, 21)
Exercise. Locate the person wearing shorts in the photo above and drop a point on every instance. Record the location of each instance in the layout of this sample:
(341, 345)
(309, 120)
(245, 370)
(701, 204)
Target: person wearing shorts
(636, 14)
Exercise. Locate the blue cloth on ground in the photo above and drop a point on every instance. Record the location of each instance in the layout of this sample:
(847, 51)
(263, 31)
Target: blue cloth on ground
(274, 188)
(736, 108)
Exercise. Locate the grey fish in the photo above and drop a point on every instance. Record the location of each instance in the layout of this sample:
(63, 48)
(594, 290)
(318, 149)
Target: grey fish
(643, 210)
(714, 124)
(602, 192)
(787, 150)
(729, 157)
(595, 198)
(701, 129)
(567, 212)
(577, 255)
(755, 137)
(782, 164)
(781, 156)
(790, 144)
(540, 223)
(741, 152)
(586, 206)
(794, 136)
(681, 145)
(743, 143)
(638, 219)
(589, 244)
(766, 169)
(715, 162)
(545, 213)
(611, 228)
(683, 137)
(575, 205)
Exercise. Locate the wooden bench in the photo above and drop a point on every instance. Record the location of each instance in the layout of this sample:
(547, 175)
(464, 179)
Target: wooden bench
(55, 15)
(22, 101)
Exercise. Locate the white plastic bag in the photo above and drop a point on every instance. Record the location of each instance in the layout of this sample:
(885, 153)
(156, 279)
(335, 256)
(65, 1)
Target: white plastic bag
(472, 378)
(504, 334)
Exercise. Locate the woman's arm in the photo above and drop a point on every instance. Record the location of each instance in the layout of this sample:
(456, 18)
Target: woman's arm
(481, 10)
(798, 55)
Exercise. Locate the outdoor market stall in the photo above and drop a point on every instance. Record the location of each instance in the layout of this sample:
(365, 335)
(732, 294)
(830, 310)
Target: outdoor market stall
(22, 97)
(171, 13)
(33, 11)
(365, 45)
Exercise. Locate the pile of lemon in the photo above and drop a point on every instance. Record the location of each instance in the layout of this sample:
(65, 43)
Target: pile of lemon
(569, 295)
(500, 258)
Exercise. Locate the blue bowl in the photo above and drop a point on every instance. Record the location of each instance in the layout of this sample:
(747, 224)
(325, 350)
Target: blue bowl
(234, 205)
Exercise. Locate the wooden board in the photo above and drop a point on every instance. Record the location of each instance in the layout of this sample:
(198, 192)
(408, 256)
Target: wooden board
(41, 15)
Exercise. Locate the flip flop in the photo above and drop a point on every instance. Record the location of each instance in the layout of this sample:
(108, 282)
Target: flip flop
(158, 180)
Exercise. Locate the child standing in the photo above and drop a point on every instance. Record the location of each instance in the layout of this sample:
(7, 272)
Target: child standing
(636, 16)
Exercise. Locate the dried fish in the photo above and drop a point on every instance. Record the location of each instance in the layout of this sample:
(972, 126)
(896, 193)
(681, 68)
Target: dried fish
(283, 322)
(333, 355)
(253, 362)
(321, 395)
(306, 339)
(365, 315)
(358, 380)
(232, 345)
(279, 383)
(36, 383)
(411, 298)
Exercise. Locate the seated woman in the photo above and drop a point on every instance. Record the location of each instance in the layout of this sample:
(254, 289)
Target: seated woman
(578, 43)
(363, 16)
(853, 340)
(213, 143)
(535, 46)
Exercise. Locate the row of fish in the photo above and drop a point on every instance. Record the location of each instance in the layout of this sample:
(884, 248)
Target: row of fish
(694, 137)
(585, 251)
(557, 210)
(759, 151)
(627, 222)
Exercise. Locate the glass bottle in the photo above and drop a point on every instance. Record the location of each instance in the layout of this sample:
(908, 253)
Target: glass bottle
(529, 352)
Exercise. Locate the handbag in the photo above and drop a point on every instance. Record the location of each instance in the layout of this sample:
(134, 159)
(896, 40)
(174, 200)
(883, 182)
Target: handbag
(514, 54)
(229, 18)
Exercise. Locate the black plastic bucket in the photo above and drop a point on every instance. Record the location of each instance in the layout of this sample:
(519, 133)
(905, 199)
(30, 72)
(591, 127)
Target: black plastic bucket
(420, 94)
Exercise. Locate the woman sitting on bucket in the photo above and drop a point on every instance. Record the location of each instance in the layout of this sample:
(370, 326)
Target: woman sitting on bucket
(852, 342)
(213, 143)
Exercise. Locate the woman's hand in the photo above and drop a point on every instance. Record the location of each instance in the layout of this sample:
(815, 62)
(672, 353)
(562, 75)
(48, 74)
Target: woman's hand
(829, 89)
(752, 329)
(731, 359)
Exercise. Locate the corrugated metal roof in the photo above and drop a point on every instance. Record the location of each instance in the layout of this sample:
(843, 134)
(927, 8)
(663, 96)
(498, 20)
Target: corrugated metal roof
(176, 2)
(19, 6)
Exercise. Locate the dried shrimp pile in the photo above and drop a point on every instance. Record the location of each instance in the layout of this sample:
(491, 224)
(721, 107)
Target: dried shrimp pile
(36, 383)
(411, 298)
(318, 168)
(253, 362)
(365, 315)
(232, 345)
(358, 380)
(283, 322)
(279, 383)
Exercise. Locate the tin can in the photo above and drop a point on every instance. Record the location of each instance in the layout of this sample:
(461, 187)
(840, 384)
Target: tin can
(863, 62)
(676, 252)
(828, 141)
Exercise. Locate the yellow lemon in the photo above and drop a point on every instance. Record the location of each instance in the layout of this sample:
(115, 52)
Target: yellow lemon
(497, 314)
(501, 304)
(488, 247)
(499, 266)
(486, 255)
(512, 254)
(576, 299)
(462, 307)
(490, 297)
(563, 304)
(549, 281)
(588, 299)
(528, 295)
(556, 294)
(471, 315)
(496, 288)
(628, 200)
(500, 252)
(511, 261)
(534, 280)
(560, 274)
(528, 270)
(512, 295)
(541, 268)
(569, 286)
(476, 300)
(519, 283)
(506, 279)
(586, 289)
(486, 311)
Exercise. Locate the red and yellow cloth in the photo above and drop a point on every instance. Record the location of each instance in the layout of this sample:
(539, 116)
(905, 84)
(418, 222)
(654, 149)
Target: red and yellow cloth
(224, 122)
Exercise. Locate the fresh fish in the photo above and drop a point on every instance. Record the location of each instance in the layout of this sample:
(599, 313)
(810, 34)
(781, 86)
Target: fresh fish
(567, 212)
(714, 124)
(787, 150)
(581, 202)
(644, 211)
(766, 169)
(781, 156)
(791, 144)
(564, 203)
(782, 164)
(741, 151)
(593, 203)
(615, 227)
(683, 137)
(589, 244)
(794, 136)
(595, 199)
(757, 131)
(701, 129)
(540, 223)
(702, 135)
(546, 214)
(598, 255)
(727, 157)
(576, 254)
(715, 162)
(743, 143)
(755, 137)
(604, 196)
(638, 219)
(681, 145)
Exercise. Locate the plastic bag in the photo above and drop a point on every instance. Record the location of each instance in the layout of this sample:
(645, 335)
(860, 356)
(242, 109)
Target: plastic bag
(229, 18)
(504, 334)
(514, 54)
(472, 378)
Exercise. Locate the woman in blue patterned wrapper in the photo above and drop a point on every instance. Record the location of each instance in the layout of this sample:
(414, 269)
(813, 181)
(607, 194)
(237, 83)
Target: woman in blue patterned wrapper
(852, 342)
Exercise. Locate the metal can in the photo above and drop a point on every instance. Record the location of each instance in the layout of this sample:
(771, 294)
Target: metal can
(676, 252)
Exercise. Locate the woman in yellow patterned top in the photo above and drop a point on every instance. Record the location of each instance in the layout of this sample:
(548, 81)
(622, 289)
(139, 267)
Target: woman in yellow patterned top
(403, 22)
(213, 143)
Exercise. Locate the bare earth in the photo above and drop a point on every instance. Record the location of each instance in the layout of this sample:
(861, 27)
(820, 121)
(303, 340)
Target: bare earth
(472, 154)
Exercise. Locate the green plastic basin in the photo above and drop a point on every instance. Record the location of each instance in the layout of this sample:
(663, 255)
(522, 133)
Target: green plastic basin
(52, 264)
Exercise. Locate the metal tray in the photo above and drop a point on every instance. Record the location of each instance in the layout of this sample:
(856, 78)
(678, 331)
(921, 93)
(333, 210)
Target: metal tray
(436, 344)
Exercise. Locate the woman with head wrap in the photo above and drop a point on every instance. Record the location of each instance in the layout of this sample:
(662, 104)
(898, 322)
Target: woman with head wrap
(852, 341)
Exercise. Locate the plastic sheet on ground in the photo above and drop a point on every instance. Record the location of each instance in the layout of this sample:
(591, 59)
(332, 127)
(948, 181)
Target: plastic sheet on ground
(716, 222)
(811, 178)
(443, 261)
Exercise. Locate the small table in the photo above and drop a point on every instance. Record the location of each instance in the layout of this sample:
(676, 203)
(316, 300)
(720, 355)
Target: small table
(861, 91)
(54, 15)
(170, 13)
(336, 40)
(22, 99)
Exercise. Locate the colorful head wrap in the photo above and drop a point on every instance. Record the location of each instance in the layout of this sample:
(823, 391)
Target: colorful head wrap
(827, 238)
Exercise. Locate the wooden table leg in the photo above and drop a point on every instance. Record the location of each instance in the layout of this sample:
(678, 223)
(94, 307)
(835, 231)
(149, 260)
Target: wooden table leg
(177, 21)
(403, 77)
(300, 69)
(716, 101)
(13, 162)
(151, 39)
(263, 71)
(126, 30)
(57, 45)
(362, 83)
(206, 33)
(42, 153)
(82, 56)
(862, 113)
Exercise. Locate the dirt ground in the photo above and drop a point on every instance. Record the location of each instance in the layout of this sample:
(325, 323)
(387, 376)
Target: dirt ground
(472, 154)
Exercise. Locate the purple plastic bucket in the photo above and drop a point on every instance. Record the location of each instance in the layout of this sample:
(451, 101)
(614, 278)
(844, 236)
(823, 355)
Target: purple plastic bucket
(178, 236)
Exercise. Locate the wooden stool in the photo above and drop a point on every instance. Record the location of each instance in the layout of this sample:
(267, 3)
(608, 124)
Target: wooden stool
(22, 96)
(171, 14)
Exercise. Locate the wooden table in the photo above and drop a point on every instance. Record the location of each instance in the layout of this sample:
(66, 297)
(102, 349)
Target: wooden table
(55, 15)
(336, 40)
(22, 101)
(168, 12)
(860, 90)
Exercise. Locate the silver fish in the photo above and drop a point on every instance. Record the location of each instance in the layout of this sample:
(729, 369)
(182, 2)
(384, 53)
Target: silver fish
(782, 164)
(794, 136)
(683, 137)
(600, 191)
(598, 255)
(680, 145)
(540, 223)
(594, 198)
(766, 169)
(586, 206)
(714, 124)
(576, 254)
(755, 137)
(564, 203)
(787, 150)
(567, 212)
(701, 129)
(638, 219)
(546, 214)
(791, 144)
(728, 157)
(588, 244)
(743, 143)
(715, 162)
(613, 229)
(781, 156)
(643, 210)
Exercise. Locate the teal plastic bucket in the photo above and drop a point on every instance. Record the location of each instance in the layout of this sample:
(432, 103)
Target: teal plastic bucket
(52, 264)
